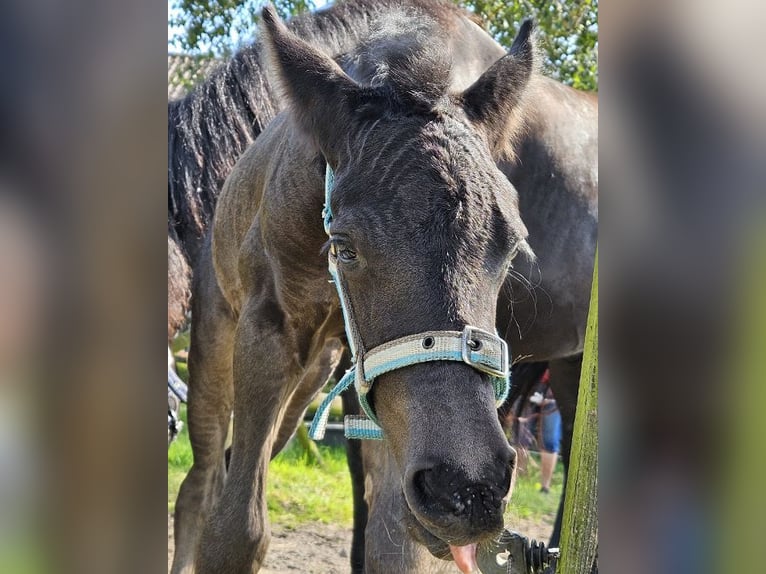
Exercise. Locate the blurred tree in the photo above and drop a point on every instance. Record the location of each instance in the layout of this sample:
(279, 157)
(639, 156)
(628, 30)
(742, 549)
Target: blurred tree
(568, 29)
(219, 27)
(568, 33)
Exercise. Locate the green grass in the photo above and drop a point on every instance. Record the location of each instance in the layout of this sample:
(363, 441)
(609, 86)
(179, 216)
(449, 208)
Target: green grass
(300, 492)
(528, 502)
(179, 462)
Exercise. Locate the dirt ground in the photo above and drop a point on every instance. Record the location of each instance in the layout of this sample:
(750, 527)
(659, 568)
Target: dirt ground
(316, 549)
(324, 549)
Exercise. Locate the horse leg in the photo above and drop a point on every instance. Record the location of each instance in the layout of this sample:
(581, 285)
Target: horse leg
(311, 383)
(298, 403)
(209, 414)
(356, 469)
(565, 382)
(353, 447)
(237, 534)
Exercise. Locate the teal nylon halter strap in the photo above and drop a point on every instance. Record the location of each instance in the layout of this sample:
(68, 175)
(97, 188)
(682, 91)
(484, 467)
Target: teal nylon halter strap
(475, 347)
(479, 349)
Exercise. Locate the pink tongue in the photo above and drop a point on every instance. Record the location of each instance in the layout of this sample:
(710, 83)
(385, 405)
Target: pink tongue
(465, 558)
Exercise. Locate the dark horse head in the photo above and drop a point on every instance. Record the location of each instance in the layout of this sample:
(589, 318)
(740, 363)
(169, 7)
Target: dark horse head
(425, 227)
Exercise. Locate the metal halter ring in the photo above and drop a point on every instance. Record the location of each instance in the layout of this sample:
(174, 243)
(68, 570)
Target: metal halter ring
(469, 337)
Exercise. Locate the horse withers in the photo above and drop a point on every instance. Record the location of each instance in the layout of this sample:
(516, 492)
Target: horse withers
(423, 232)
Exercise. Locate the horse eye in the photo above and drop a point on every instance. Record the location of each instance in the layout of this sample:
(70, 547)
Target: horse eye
(346, 255)
(341, 250)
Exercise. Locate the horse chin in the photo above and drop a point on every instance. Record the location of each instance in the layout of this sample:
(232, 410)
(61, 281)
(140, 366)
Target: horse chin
(436, 546)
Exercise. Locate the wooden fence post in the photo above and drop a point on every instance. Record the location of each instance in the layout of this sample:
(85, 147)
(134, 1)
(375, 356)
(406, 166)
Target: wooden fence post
(579, 541)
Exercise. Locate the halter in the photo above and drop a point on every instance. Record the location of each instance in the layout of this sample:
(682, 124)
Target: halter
(475, 347)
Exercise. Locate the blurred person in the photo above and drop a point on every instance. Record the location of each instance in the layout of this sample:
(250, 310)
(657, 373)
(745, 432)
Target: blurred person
(546, 426)
(517, 412)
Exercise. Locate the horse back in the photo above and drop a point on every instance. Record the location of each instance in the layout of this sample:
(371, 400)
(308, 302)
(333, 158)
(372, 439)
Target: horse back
(555, 172)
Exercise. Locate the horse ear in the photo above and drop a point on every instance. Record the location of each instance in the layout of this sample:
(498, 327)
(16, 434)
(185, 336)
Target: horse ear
(492, 102)
(318, 91)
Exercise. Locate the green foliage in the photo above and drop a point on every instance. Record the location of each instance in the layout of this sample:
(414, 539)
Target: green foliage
(567, 31)
(219, 27)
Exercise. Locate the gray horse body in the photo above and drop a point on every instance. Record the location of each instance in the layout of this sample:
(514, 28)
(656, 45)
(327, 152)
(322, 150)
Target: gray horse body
(264, 270)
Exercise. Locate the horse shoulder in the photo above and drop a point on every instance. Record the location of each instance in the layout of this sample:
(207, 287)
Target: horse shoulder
(236, 227)
(268, 228)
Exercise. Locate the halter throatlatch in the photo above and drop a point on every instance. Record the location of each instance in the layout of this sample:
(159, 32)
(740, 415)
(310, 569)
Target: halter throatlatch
(475, 347)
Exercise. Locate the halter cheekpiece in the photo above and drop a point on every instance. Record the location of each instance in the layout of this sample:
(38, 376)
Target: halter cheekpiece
(475, 347)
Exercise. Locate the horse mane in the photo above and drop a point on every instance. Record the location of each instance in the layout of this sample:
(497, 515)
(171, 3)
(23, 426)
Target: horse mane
(213, 125)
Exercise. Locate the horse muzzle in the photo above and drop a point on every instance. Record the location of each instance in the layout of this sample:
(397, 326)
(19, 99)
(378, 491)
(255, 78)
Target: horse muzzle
(455, 509)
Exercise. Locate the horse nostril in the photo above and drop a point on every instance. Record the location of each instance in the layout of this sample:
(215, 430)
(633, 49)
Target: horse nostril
(421, 483)
(434, 489)
(442, 489)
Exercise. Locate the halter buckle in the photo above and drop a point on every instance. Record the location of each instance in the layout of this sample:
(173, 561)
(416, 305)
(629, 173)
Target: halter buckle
(468, 337)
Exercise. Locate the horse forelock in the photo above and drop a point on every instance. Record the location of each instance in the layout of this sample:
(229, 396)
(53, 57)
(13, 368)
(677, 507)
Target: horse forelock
(404, 59)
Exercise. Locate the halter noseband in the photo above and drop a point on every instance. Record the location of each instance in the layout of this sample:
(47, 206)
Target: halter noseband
(475, 347)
